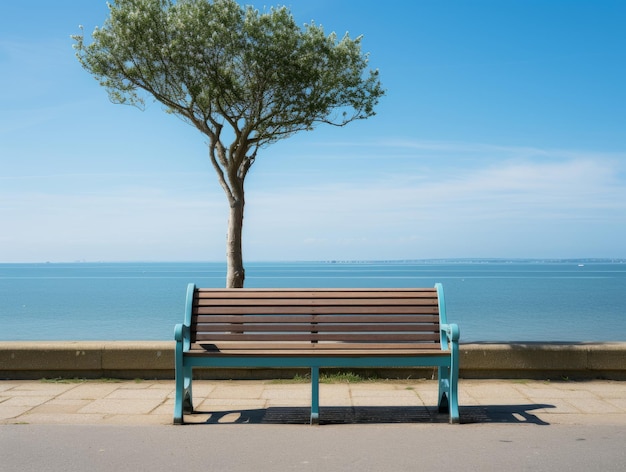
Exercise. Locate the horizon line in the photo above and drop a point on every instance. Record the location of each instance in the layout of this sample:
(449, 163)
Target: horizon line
(343, 261)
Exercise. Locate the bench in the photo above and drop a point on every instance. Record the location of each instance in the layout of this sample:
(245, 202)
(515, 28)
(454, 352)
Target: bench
(316, 328)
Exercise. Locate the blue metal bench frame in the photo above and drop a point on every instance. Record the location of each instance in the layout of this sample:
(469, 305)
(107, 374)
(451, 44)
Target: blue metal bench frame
(445, 359)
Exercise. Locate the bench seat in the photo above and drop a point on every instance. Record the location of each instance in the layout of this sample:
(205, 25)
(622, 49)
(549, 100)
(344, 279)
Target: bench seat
(316, 328)
(276, 350)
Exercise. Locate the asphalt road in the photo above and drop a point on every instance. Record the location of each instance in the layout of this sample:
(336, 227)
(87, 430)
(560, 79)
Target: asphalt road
(384, 447)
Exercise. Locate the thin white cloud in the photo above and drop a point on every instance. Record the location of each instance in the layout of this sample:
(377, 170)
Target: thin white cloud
(478, 206)
(137, 224)
(403, 211)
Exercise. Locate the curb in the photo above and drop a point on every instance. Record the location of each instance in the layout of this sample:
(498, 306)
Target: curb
(24, 360)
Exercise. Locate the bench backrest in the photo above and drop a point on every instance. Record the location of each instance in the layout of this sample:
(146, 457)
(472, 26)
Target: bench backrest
(387, 317)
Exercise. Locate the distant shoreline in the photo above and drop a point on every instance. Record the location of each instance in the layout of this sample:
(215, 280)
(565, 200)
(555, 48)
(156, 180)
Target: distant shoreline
(452, 260)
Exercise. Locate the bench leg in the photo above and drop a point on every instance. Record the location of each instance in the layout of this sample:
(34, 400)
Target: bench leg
(188, 395)
(454, 401)
(448, 393)
(315, 395)
(453, 396)
(444, 384)
(184, 399)
(178, 402)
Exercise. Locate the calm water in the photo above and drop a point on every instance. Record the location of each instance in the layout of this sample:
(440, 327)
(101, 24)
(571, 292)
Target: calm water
(494, 301)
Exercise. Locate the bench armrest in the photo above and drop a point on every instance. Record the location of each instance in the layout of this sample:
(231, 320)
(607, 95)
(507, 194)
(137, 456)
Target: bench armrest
(178, 332)
(451, 330)
(182, 331)
(181, 335)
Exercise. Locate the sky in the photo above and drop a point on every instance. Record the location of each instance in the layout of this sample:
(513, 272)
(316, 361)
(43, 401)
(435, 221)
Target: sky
(502, 135)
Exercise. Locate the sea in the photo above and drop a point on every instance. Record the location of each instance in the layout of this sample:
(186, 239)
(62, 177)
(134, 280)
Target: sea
(491, 300)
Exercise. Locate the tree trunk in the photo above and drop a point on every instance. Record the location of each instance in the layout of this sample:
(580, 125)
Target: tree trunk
(235, 273)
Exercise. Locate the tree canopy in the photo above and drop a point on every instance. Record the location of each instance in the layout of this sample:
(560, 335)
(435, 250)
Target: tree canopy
(244, 78)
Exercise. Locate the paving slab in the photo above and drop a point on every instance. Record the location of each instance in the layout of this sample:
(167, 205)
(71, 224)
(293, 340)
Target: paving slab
(151, 402)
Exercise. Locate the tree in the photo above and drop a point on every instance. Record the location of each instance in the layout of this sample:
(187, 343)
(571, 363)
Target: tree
(245, 79)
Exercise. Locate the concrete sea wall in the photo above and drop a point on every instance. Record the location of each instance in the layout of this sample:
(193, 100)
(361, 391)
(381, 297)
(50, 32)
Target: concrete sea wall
(155, 360)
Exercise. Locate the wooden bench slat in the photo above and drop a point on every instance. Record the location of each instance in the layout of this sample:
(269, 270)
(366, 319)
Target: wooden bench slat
(227, 294)
(322, 353)
(307, 318)
(356, 354)
(280, 302)
(317, 327)
(398, 337)
(347, 310)
(234, 346)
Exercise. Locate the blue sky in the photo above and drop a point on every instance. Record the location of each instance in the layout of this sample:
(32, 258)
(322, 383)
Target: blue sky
(503, 134)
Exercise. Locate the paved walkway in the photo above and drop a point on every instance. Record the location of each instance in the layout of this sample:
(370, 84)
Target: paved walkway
(146, 402)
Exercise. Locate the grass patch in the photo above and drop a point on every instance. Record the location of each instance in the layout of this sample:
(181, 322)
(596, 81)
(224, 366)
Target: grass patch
(295, 379)
(331, 378)
(62, 380)
(343, 377)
